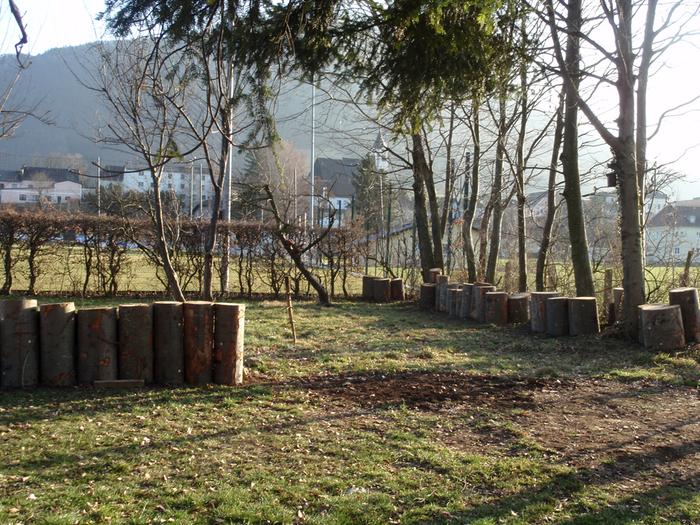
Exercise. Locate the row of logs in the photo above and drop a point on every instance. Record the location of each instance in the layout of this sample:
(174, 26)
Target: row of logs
(166, 343)
(666, 327)
(382, 290)
(546, 312)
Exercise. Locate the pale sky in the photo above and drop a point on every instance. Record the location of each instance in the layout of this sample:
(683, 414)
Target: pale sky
(60, 23)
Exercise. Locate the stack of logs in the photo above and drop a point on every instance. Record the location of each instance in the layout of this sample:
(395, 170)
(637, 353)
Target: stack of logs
(661, 327)
(546, 312)
(164, 343)
(381, 289)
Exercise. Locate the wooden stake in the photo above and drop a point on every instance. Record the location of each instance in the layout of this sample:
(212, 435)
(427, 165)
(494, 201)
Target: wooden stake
(290, 309)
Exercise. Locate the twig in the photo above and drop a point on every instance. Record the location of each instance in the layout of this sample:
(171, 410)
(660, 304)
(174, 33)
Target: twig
(290, 309)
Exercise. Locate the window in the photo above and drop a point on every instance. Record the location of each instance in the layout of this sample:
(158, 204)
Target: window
(34, 198)
(22, 197)
(676, 251)
(140, 184)
(66, 198)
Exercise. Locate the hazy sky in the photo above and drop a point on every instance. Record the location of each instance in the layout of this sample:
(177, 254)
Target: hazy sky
(59, 23)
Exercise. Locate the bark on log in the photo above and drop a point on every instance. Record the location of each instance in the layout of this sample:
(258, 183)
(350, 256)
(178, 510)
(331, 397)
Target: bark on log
(381, 290)
(557, 313)
(229, 322)
(136, 342)
(615, 313)
(465, 305)
(367, 289)
(583, 316)
(454, 298)
(397, 293)
(427, 296)
(538, 310)
(97, 345)
(19, 343)
(432, 275)
(57, 337)
(661, 327)
(687, 299)
(519, 308)
(496, 308)
(199, 342)
(441, 293)
(607, 287)
(169, 343)
(478, 301)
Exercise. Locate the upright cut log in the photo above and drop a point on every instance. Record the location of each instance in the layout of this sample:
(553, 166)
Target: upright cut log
(432, 275)
(607, 287)
(427, 296)
(538, 310)
(454, 298)
(687, 299)
(367, 289)
(229, 322)
(441, 299)
(557, 313)
(199, 342)
(136, 342)
(19, 343)
(169, 343)
(57, 336)
(496, 308)
(661, 327)
(583, 316)
(479, 301)
(97, 344)
(617, 305)
(465, 305)
(381, 290)
(519, 308)
(397, 293)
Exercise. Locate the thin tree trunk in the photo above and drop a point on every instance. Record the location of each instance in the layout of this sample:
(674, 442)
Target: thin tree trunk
(484, 240)
(473, 195)
(420, 168)
(162, 244)
(427, 177)
(551, 204)
(520, 170)
(496, 190)
(583, 274)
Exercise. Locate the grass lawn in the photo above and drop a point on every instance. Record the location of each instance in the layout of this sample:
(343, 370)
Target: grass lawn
(381, 414)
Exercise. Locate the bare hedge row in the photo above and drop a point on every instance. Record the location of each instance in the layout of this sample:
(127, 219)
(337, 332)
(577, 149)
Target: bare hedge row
(89, 254)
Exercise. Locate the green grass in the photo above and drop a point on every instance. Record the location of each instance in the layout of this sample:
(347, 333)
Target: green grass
(290, 448)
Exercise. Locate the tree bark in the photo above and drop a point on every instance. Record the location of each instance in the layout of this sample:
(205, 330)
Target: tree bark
(473, 194)
(583, 273)
(426, 227)
(496, 190)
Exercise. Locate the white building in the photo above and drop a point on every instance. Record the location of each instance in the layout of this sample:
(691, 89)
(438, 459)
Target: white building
(191, 184)
(34, 192)
(673, 232)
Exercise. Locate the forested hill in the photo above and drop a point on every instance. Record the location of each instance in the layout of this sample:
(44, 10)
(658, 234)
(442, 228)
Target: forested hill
(50, 81)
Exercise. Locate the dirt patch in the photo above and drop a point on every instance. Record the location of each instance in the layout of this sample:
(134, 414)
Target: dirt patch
(426, 390)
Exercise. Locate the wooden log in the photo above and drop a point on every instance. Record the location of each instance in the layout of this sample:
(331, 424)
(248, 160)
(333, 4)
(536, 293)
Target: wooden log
(465, 304)
(454, 292)
(687, 299)
(57, 342)
(168, 343)
(519, 308)
(119, 383)
(19, 343)
(136, 342)
(199, 341)
(381, 290)
(427, 296)
(496, 308)
(615, 313)
(607, 287)
(432, 275)
(397, 293)
(557, 315)
(441, 295)
(229, 328)
(367, 289)
(97, 345)
(661, 327)
(478, 301)
(583, 316)
(538, 310)
(508, 279)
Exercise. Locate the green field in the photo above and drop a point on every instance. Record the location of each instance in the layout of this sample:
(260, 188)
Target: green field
(380, 414)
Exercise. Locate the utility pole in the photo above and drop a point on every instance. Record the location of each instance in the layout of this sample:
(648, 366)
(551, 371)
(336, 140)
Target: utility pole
(313, 146)
(99, 197)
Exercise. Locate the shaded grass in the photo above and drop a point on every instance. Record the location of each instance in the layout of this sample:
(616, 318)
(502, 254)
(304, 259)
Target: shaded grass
(277, 452)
